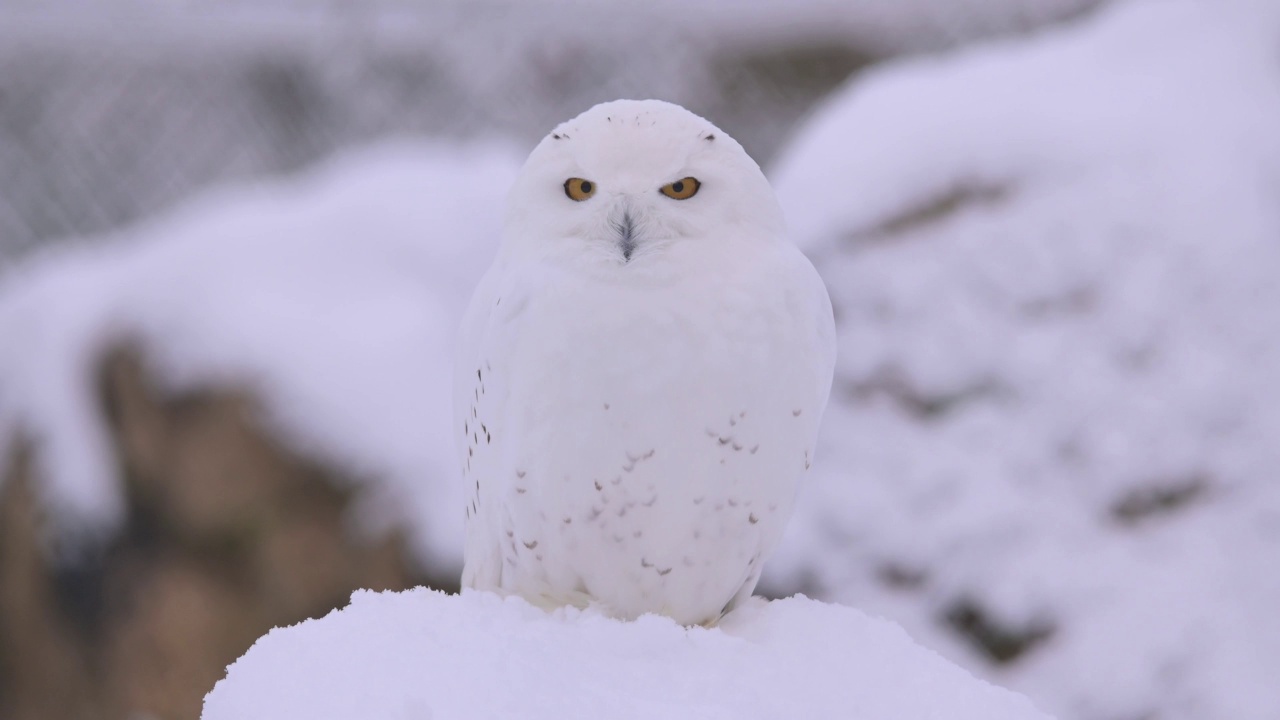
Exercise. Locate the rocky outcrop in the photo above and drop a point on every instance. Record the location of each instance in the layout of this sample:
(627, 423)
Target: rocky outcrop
(227, 535)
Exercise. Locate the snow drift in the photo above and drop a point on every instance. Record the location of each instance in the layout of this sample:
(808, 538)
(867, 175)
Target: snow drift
(1051, 451)
(1052, 447)
(335, 296)
(423, 654)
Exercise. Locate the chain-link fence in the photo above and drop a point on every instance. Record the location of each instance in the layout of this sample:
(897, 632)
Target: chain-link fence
(111, 112)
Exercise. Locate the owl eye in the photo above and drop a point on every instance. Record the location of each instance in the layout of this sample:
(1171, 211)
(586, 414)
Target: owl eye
(579, 189)
(681, 189)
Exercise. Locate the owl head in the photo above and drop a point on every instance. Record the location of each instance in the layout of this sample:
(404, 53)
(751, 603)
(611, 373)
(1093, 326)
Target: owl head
(636, 184)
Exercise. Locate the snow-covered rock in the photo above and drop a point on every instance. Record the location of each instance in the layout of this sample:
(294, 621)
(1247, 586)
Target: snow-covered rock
(1053, 445)
(1053, 439)
(424, 654)
(334, 297)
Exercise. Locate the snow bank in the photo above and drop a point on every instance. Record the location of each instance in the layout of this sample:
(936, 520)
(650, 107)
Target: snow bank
(335, 295)
(424, 654)
(1054, 435)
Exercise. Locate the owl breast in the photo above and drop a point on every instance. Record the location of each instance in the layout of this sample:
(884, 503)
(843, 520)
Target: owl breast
(649, 450)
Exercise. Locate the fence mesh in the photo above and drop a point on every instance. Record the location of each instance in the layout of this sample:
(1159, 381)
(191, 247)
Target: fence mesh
(108, 115)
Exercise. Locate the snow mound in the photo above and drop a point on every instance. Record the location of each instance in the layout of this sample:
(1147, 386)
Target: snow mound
(424, 654)
(334, 295)
(1052, 448)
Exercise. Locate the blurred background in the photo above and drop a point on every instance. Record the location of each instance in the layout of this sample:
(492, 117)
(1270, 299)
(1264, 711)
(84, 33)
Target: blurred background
(236, 239)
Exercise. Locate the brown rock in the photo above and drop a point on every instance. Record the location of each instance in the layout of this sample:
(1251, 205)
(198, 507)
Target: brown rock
(228, 535)
(43, 671)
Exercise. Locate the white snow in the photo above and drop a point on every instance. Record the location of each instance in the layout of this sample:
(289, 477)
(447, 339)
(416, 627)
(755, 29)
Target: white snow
(1097, 321)
(423, 654)
(336, 295)
(1054, 263)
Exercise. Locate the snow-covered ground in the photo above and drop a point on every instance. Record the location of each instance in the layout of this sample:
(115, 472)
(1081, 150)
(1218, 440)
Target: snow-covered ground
(422, 654)
(336, 296)
(1056, 422)
(1057, 410)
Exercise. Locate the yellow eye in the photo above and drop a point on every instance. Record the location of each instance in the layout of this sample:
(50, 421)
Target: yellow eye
(579, 189)
(682, 189)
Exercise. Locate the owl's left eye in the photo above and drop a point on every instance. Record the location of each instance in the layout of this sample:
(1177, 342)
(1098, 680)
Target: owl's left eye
(579, 189)
(681, 189)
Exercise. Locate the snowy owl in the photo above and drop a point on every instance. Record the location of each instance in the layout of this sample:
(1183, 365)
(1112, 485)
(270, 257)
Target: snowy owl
(640, 374)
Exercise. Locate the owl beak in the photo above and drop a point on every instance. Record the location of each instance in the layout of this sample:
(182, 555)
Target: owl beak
(625, 228)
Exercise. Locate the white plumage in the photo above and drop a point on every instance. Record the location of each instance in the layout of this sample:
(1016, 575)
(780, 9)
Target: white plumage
(640, 377)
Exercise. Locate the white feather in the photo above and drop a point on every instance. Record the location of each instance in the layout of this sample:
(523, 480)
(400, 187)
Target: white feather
(635, 429)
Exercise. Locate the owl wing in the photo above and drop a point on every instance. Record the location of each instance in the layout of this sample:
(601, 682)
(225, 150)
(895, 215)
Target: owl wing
(810, 308)
(478, 407)
(813, 305)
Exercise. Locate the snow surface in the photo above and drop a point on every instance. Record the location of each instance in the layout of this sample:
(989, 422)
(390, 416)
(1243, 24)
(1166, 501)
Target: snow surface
(1058, 402)
(336, 295)
(1054, 265)
(424, 654)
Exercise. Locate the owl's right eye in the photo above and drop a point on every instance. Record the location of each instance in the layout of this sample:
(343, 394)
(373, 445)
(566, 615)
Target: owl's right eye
(579, 189)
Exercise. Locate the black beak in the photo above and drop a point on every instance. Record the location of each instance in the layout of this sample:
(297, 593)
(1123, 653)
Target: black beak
(626, 231)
